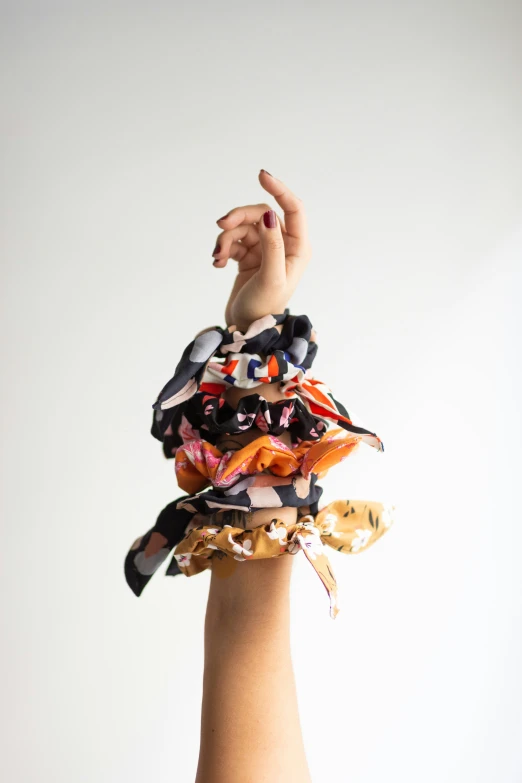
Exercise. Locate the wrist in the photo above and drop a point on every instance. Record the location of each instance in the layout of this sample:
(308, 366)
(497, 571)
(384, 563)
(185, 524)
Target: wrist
(244, 318)
(258, 592)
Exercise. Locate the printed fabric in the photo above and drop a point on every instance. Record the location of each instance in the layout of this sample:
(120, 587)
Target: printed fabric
(213, 525)
(199, 463)
(285, 347)
(348, 526)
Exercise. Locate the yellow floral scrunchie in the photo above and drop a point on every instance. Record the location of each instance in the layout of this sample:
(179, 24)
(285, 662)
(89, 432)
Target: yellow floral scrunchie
(348, 526)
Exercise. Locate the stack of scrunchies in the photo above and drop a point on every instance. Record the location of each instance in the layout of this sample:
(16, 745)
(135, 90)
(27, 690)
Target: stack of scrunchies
(210, 525)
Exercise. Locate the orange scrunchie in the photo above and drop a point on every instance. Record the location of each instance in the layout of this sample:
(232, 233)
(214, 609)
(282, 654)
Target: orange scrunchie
(199, 464)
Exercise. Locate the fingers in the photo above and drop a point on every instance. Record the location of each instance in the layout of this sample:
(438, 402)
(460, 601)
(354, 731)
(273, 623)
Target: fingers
(247, 234)
(236, 251)
(251, 213)
(273, 264)
(292, 206)
(298, 251)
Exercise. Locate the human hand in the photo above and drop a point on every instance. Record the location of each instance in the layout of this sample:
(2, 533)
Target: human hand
(270, 260)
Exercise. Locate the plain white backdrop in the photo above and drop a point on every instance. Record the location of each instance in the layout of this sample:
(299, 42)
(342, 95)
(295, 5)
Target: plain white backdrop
(127, 130)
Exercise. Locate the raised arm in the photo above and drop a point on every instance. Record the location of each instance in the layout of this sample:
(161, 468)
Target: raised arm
(251, 430)
(250, 728)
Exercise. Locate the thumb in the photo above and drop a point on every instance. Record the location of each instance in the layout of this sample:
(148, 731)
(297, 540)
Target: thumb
(273, 260)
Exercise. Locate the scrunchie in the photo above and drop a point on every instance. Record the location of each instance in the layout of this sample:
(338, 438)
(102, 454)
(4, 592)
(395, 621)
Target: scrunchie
(199, 463)
(256, 492)
(149, 550)
(292, 344)
(246, 370)
(295, 344)
(207, 414)
(191, 413)
(348, 526)
(288, 346)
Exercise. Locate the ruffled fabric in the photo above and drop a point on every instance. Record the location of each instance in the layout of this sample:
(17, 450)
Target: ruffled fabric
(319, 401)
(207, 414)
(191, 414)
(150, 550)
(256, 492)
(307, 411)
(199, 463)
(348, 526)
(282, 339)
(218, 359)
(174, 522)
(246, 370)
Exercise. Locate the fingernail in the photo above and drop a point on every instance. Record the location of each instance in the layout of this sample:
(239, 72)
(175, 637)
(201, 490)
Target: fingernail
(215, 261)
(267, 172)
(224, 216)
(269, 219)
(217, 249)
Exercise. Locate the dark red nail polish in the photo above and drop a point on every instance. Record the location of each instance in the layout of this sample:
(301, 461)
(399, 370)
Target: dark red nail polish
(269, 219)
(217, 249)
(224, 216)
(267, 172)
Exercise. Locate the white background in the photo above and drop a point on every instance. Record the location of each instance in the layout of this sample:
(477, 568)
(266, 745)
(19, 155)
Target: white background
(127, 130)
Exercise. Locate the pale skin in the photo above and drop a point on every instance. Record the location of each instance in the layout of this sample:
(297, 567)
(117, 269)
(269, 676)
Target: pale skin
(250, 728)
(270, 260)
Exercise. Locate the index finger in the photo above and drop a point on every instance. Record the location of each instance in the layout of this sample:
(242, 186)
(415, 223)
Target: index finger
(292, 206)
(248, 214)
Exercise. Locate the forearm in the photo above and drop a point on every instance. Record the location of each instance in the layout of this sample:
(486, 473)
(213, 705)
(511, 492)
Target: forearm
(250, 725)
(261, 456)
(250, 730)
